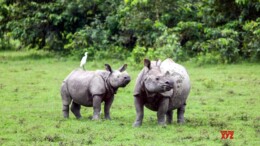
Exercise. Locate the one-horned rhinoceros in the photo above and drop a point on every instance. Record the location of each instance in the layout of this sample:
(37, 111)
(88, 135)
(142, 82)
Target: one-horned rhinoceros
(91, 88)
(162, 87)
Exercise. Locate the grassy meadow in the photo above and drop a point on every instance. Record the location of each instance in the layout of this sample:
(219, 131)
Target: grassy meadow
(223, 97)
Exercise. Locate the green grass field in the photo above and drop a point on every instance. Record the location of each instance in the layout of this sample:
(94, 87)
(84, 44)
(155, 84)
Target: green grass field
(223, 97)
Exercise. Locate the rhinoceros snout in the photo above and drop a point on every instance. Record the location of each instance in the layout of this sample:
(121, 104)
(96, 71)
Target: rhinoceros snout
(127, 79)
(169, 84)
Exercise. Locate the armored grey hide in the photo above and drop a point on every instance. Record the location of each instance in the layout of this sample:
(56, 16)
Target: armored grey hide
(90, 88)
(162, 87)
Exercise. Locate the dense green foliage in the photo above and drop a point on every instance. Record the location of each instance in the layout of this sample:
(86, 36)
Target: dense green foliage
(223, 97)
(212, 31)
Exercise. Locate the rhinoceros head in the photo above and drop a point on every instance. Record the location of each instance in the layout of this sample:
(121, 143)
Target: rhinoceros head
(118, 78)
(154, 80)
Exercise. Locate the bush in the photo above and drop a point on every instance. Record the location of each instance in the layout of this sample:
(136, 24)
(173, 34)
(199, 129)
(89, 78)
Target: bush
(8, 43)
(189, 33)
(223, 43)
(168, 46)
(207, 58)
(251, 38)
(88, 39)
(112, 52)
(138, 53)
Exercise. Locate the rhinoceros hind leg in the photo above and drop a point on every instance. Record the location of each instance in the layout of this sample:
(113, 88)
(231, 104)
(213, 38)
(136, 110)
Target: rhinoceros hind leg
(75, 108)
(65, 110)
(180, 114)
(169, 116)
(66, 100)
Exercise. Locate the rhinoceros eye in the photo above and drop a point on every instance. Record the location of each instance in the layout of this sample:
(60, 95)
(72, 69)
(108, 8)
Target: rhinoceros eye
(157, 78)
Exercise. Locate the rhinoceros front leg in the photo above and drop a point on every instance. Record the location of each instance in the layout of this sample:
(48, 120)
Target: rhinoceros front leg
(96, 107)
(169, 116)
(180, 113)
(139, 107)
(108, 104)
(75, 108)
(163, 107)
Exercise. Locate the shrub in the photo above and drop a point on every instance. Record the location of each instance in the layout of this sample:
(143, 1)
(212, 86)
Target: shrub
(8, 43)
(87, 39)
(251, 38)
(168, 46)
(112, 52)
(189, 33)
(223, 43)
(138, 53)
(207, 58)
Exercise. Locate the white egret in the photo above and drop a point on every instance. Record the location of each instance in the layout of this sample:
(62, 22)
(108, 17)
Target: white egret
(84, 60)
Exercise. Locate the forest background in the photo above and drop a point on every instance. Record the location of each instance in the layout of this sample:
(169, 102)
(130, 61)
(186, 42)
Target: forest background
(204, 31)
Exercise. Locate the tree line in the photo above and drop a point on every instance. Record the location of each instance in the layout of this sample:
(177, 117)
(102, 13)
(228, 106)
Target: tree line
(211, 31)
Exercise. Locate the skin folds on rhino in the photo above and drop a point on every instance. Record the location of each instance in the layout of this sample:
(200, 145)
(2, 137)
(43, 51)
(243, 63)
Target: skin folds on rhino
(91, 88)
(162, 87)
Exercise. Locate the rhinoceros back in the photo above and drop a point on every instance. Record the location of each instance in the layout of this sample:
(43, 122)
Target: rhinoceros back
(83, 85)
(181, 81)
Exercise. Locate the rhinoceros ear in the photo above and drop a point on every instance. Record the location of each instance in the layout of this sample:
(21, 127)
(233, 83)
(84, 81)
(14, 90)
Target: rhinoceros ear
(108, 67)
(123, 68)
(147, 63)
